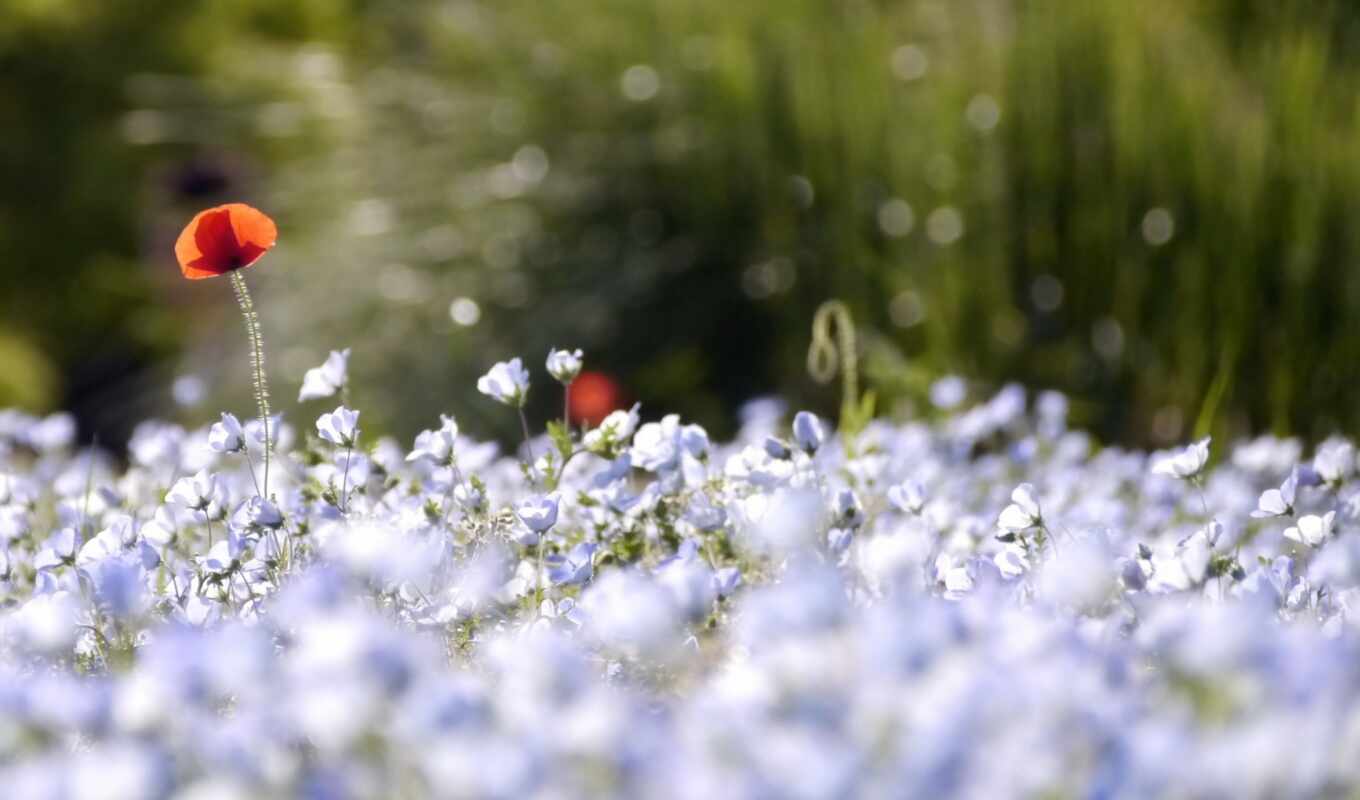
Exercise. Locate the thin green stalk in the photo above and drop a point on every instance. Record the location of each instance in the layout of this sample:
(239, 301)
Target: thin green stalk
(538, 574)
(250, 465)
(528, 445)
(454, 483)
(344, 484)
(89, 487)
(261, 383)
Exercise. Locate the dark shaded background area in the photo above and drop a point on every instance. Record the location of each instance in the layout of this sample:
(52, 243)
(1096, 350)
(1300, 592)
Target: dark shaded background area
(1149, 206)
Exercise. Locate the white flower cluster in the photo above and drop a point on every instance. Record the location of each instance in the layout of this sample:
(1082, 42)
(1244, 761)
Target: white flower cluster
(987, 606)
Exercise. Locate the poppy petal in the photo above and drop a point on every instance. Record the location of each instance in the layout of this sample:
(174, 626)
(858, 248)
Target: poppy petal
(187, 251)
(215, 240)
(255, 231)
(222, 239)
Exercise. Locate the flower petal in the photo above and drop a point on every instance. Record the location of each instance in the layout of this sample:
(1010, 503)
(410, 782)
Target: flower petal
(224, 238)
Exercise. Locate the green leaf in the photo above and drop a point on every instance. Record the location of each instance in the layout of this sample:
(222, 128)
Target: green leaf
(561, 438)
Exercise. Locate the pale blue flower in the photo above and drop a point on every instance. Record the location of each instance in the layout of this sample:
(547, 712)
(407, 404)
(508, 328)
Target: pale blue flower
(538, 513)
(194, 492)
(1312, 529)
(1023, 513)
(564, 365)
(1278, 502)
(575, 568)
(808, 433)
(1334, 461)
(776, 449)
(849, 513)
(506, 382)
(1185, 464)
(436, 445)
(909, 496)
(226, 436)
(327, 379)
(339, 427)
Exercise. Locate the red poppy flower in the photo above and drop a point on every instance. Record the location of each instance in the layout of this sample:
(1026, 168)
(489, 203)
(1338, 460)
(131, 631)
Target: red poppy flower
(593, 395)
(222, 239)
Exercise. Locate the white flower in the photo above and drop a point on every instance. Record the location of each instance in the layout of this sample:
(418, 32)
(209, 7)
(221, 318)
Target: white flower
(807, 431)
(1278, 502)
(616, 428)
(1185, 464)
(436, 445)
(656, 446)
(1312, 530)
(194, 492)
(1023, 513)
(278, 435)
(507, 382)
(221, 558)
(327, 379)
(469, 496)
(1334, 461)
(564, 365)
(538, 513)
(1011, 561)
(339, 427)
(704, 514)
(226, 436)
(1196, 552)
(909, 496)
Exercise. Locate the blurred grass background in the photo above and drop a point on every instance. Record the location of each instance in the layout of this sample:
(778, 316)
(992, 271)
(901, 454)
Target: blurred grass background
(1147, 205)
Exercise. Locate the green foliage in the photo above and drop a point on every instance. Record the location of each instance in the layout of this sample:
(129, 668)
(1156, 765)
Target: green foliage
(87, 215)
(1146, 204)
(1132, 202)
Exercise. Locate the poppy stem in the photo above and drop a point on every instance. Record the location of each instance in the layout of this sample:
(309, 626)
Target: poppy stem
(261, 384)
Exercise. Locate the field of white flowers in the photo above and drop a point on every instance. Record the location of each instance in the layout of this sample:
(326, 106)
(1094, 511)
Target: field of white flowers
(987, 605)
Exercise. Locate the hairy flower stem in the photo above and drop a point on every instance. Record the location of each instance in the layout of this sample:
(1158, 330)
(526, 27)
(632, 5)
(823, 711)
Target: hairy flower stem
(261, 383)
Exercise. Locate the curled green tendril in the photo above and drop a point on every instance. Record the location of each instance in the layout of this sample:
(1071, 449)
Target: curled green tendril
(833, 349)
(829, 352)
